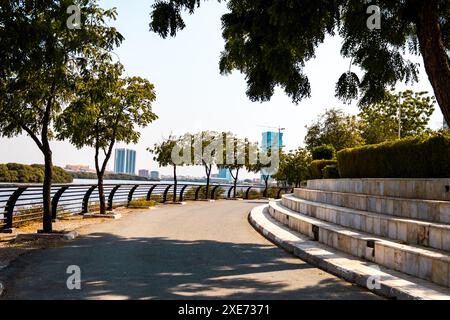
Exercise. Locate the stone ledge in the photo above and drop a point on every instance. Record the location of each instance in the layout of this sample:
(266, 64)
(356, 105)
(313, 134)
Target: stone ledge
(175, 203)
(47, 236)
(393, 284)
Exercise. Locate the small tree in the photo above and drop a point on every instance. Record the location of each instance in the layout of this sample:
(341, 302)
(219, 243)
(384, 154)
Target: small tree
(235, 157)
(407, 113)
(113, 107)
(335, 128)
(263, 163)
(164, 156)
(207, 147)
(294, 167)
(40, 58)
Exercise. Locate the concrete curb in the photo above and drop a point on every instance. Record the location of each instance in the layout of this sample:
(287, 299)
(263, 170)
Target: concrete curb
(113, 216)
(47, 236)
(395, 285)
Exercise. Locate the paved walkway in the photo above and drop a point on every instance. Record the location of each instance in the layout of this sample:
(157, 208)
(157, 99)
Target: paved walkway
(201, 250)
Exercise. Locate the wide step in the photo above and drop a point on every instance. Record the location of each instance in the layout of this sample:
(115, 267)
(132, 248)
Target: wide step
(407, 231)
(427, 264)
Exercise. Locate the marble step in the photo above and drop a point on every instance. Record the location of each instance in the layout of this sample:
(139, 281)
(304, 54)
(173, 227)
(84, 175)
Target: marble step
(428, 264)
(408, 231)
(429, 189)
(427, 210)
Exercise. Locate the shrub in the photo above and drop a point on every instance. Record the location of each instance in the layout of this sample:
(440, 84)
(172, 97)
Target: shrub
(330, 172)
(324, 152)
(407, 158)
(142, 203)
(317, 166)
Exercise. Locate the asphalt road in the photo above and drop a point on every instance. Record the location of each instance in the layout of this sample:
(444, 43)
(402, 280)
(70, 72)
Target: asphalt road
(201, 250)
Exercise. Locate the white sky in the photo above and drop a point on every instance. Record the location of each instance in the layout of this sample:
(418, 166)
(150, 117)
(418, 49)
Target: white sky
(193, 96)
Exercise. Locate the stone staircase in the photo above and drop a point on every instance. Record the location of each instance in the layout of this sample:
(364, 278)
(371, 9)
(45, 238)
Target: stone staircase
(399, 224)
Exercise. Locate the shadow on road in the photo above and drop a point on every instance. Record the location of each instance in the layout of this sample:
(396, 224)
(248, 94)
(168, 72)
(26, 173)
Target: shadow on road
(161, 268)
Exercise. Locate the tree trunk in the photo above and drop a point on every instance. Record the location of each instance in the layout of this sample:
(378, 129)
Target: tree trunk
(235, 178)
(266, 182)
(101, 193)
(208, 174)
(47, 190)
(434, 54)
(175, 182)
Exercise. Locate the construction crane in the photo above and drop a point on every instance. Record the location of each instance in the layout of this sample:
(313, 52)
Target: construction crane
(279, 129)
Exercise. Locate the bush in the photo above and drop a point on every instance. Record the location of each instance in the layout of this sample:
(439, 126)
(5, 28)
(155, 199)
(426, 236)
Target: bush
(324, 152)
(142, 203)
(330, 172)
(407, 158)
(317, 166)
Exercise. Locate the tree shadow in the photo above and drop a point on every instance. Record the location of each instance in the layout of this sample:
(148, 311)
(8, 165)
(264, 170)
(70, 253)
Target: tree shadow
(161, 268)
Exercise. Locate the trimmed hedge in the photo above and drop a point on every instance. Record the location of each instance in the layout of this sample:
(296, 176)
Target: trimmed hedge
(317, 166)
(330, 172)
(406, 158)
(324, 152)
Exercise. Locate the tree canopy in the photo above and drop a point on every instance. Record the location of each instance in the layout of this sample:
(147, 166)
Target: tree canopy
(270, 41)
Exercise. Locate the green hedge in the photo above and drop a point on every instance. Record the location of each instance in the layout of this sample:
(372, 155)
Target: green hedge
(406, 158)
(317, 166)
(324, 152)
(330, 172)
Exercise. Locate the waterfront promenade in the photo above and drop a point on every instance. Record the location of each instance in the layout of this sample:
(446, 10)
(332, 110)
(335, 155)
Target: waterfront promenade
(200, 250)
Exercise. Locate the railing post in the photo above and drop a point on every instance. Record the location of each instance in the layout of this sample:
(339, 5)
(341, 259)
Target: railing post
(9, 209)
(87, 196)
(182, 192)
(149, 193)
(111, 197)
(197, 192)
(130, 194)
(247, 193)
(213, 192)
(229, 191)
(55, 201)
(165, 193)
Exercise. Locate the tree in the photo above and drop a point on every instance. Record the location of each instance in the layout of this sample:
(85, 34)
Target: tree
(235, 157)
(206, 146)
(270, 41)
(40, 58)
(265, 162)
(334, 128)
(163, 155)
(113, 107)
(381, 122)
(294, 167)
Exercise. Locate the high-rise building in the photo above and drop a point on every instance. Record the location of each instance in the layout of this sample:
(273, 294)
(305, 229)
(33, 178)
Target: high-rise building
(271, 140)
(125, 161)
(225, 174)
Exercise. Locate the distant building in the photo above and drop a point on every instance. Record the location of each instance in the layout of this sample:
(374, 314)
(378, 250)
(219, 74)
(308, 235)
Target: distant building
(125, 161)
(143, 173)
(224, 174)
(154, 175)
(269, 140)
(445, 125)
(77, 168)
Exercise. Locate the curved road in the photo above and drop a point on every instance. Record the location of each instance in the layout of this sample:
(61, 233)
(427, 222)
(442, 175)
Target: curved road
(197, 251)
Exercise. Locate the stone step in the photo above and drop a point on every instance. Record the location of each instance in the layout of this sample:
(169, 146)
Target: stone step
(407, 231)
(382, 281)
(430, 189)
(427, 210)
(428, 264)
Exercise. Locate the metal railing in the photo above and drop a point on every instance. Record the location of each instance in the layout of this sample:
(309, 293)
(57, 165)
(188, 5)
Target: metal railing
(20, 203)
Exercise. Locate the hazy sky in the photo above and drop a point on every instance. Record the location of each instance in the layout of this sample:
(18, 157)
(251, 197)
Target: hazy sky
(193, 96)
